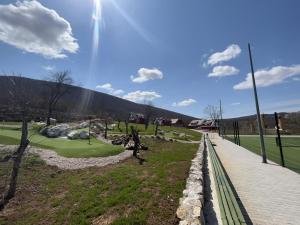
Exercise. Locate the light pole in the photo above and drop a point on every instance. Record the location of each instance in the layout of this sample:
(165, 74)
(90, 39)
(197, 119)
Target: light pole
(261, 135)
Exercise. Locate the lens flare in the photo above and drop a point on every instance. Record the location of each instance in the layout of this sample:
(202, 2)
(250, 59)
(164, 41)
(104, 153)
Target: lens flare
(96, 22)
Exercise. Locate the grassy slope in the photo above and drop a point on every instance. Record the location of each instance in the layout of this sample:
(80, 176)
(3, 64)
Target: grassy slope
(291, 154)
(195, 136)
(64, 147)
(127, 193)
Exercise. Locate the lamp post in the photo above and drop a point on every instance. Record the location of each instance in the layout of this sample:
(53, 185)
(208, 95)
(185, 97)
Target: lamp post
(262, 143)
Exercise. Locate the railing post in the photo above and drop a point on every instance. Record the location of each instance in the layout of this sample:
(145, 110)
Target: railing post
(238, 133)
(279, 139)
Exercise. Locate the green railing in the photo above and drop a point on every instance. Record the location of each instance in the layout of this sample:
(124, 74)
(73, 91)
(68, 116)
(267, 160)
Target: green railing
(230, 210)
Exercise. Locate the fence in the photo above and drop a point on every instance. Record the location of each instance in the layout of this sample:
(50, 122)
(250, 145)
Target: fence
(282, 143)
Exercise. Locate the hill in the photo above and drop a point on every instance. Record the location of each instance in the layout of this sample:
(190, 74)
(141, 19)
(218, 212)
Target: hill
(76, 104)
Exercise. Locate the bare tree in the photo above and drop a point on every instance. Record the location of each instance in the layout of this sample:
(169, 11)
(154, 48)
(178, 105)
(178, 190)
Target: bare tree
(148, 113)
(20, 101)
(213, 112)
(59, 86)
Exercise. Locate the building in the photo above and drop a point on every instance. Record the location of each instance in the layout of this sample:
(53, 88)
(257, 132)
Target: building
(196, 124)
(136, 118)
(162, 121)
(177, 122)
(209, 125)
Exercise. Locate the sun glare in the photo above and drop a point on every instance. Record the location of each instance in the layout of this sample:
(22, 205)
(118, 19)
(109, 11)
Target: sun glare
(96, 21)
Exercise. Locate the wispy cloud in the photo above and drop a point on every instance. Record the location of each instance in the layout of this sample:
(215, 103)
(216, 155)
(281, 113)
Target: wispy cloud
(184, 103)
(145, 75)
(231, 52)
(109, 89)
(235, 103)
(223, 71)
(51, 36)
(268, 77)
(142, 96)
(289, 105)
(49, 68)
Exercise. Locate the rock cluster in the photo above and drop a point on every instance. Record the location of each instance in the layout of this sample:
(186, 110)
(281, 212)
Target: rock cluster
(56, 131)
(190, 210)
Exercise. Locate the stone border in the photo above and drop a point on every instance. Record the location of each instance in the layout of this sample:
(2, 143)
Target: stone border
(53, 159)
(190, 210)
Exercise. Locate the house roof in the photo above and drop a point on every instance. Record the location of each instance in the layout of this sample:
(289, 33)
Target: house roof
(196, 122)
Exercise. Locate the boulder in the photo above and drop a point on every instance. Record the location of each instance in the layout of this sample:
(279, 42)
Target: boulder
(73, 135)
(117, 142)
(57, 131)
(44, 131)
(83, 124)
(84, 134)
(52, 121)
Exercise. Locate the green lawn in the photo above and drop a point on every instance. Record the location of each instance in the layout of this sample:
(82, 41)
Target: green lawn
(192, 135)
(64, 147)
(126, 193)
(291, 154)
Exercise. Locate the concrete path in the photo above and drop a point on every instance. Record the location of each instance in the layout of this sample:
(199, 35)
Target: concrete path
(269, 192)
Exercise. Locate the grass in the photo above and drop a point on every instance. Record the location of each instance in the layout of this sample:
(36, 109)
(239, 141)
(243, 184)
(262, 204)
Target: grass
(63, 147)
(190, 134)
(127, 193)
(291, 154)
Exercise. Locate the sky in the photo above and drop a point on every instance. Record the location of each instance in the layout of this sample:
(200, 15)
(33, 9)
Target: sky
(180, 55)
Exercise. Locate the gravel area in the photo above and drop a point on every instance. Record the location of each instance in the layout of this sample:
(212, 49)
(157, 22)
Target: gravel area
(53, 159)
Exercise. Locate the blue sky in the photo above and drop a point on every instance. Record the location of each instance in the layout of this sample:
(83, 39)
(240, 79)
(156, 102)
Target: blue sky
(182, 55)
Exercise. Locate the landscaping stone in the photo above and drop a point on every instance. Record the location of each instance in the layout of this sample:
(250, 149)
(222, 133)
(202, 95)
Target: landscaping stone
(44, 131)
(59, 130)
(84, 134)
(190, 210)
(84, 124)
(73, 135)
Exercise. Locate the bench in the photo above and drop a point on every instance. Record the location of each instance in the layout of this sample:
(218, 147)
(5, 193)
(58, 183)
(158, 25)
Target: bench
(231, 213)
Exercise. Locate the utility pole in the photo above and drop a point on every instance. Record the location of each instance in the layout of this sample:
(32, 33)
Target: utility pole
(220, 122)
(261, 135)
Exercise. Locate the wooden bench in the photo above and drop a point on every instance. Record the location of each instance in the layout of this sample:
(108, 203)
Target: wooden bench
(229, 207)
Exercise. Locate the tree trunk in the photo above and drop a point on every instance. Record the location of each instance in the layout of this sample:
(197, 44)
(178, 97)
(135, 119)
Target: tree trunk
(17, 158)
(49, 116)
(156, 128)
(136, 140)
(105, 132)
(126, 125)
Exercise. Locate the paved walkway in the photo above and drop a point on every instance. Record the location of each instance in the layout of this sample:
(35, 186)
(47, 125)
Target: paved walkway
(269, 192)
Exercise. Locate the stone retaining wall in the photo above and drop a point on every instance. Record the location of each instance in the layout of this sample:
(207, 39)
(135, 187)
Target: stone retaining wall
(190, 210)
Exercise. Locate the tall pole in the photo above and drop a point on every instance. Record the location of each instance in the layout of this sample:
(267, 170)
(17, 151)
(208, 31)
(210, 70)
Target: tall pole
(262, 143)
(220, 122)
(279, 139)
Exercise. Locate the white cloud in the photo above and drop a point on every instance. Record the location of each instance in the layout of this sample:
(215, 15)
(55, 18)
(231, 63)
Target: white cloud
(222, 71)
(141, 96)
(31, 27)
(49, 68)
(296, 79)
(145, 74)
(231, 52)
(118, 92)
(108, 88)
(268, 77)
(235, 103)
(184, 103)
